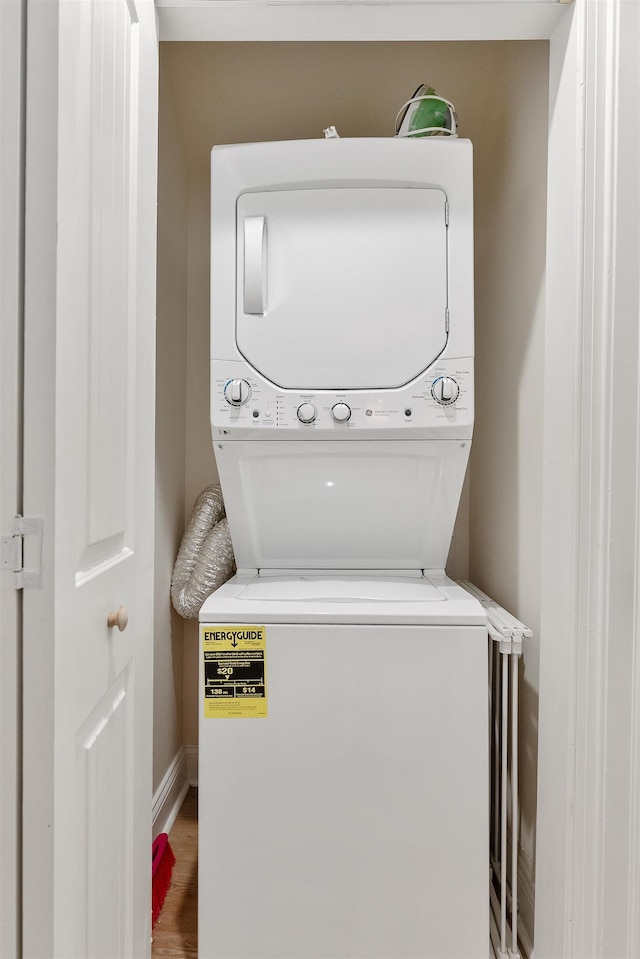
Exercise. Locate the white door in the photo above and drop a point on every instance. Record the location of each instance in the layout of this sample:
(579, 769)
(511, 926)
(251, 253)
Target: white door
(89, 472)
(11, 61)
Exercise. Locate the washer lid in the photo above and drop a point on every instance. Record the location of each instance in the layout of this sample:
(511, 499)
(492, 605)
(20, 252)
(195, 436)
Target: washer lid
(341, 288)
(341, 589)
(435, 600)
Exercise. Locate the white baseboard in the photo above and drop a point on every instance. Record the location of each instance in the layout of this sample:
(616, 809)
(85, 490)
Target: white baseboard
(170, 794)
(192, 764)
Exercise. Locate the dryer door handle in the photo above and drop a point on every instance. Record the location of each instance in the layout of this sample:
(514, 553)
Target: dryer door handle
(255, 265)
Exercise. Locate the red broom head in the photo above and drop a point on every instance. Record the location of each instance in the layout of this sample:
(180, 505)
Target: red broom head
(162, 862)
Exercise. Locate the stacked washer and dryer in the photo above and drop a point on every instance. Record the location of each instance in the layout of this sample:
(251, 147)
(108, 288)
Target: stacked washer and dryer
(343, 755)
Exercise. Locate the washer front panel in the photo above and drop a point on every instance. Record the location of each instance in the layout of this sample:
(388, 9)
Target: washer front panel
(352, 821)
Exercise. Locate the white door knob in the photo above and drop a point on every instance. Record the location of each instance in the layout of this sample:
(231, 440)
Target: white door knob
(120, 619)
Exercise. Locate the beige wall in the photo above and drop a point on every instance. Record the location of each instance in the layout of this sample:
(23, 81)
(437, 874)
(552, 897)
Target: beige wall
(171, 421)
(506, 460)
(200, 463)
(235, 92)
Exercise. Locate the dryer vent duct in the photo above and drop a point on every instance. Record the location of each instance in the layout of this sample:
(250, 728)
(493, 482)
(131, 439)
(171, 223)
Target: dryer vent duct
(205, 560)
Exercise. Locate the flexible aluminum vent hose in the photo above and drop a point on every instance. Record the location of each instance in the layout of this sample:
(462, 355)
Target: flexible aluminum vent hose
(205, 560)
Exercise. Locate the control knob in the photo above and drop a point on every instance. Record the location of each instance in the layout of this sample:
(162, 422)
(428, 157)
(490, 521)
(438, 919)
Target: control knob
(341, 412)
(306, 413)
(445, 390)
(237, 392)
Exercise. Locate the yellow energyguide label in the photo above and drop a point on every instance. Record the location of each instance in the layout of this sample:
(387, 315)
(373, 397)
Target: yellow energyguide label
(234, 671)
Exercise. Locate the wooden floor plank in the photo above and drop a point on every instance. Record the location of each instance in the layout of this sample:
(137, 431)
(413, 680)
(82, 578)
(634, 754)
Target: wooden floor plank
(175, 934)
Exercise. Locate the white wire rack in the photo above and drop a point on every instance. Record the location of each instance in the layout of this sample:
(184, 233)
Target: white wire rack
(506, 635)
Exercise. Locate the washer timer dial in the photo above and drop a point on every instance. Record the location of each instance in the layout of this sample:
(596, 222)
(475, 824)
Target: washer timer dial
(445, 390)
(237, 392)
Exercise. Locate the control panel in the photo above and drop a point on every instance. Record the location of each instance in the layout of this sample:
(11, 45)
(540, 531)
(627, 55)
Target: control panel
(242, 400)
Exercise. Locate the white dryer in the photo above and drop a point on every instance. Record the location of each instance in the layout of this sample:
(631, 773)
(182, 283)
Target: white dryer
(343, 695)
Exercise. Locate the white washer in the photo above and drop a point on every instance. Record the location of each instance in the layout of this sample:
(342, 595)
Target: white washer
(343, 693)
(351, 823)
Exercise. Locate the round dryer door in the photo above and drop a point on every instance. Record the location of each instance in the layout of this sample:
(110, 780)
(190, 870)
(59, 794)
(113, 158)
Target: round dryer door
(341, 288)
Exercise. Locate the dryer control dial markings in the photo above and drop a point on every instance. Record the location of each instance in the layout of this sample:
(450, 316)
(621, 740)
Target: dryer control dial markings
(306, 413)
(445, 390)
(237, 392)
(341, 412)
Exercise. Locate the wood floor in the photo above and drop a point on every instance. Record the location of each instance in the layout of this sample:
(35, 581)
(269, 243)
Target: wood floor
(175, 934)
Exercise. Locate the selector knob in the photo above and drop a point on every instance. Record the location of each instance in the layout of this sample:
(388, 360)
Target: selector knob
(341, 412)
(306, 413)
(237, 392)
(445, 390)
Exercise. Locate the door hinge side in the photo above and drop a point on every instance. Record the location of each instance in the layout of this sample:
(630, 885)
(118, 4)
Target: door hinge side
(13, 550)
(446, 320)
(446, 213)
